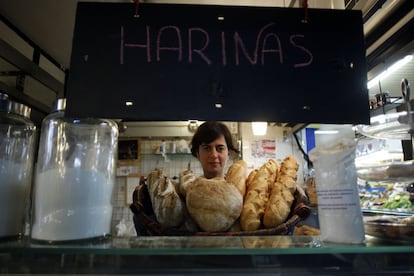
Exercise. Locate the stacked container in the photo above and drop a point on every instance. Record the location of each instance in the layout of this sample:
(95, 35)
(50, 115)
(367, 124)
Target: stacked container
(74, 178)
(17, 144)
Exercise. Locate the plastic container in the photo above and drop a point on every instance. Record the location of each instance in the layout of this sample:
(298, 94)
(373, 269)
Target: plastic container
(163, 147)
(74, 178)
(339, 211)
(17, 148)
(173, 147)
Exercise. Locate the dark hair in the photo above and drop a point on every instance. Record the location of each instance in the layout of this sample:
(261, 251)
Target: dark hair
(209, 131)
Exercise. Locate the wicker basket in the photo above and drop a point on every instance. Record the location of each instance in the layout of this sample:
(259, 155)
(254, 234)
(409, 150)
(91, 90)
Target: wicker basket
(146, 224)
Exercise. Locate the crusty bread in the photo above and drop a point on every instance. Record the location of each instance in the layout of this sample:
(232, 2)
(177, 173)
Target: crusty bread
(250, 177)
(214, 204)
(306, 230)
(282, 194)
(278, 207)
(288, 173)
(186, 178)
(280, 241)
(310, 189)
(237, 174)
(257, 196)
(153, 176)
(168, 208)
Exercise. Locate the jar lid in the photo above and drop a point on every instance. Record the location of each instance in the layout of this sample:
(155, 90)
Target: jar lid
(60, 104)
(7, 105)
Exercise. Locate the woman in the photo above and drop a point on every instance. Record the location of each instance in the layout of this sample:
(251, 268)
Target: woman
(211, 145)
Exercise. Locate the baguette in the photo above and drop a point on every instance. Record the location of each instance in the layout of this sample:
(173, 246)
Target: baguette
(257, 196)
(282, 193)
(237, 175)
(250, 177)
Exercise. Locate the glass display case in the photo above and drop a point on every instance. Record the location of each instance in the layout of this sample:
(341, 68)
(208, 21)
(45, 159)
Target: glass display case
(249, 255)
(386, 176)
(258, 255)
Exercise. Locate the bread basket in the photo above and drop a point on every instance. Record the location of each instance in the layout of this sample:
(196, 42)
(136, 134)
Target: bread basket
(146, 224)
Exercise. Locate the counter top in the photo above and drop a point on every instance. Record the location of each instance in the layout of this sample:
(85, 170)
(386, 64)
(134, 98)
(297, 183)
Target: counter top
(206, 245)
(177, 255)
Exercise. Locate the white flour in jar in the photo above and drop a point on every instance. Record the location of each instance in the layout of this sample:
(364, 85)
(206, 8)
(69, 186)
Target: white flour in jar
(71, 204)
(14, 189)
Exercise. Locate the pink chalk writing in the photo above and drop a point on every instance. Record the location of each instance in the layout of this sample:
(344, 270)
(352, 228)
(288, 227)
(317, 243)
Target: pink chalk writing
(200, 51)
(309, 53)
(134, 45)
(268, 46)
(223, 49)
(179, 41)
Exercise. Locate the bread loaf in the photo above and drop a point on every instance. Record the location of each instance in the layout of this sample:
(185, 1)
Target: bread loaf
(153, 176)
(282, 194)
(166, 203)
(214, 204)
(306, 230)
(237, 174)
(250, 177)
(311, 191)
(189, 224)
(280, 241)
(288, 173)
(186, 178)
(278, 207)
(257, 196)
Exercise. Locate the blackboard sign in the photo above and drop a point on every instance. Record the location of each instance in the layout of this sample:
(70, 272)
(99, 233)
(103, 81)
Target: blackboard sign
(211, 62)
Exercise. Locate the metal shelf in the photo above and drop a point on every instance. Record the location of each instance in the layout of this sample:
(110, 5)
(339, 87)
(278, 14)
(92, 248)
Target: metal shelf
(394, 104)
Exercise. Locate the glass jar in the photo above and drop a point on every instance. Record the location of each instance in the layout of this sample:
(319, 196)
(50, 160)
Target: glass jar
(74, 179)
(17, 144)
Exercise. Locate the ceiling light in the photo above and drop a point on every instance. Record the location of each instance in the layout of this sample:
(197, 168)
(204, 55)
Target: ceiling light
(326, 131)
(192, 125)
(394, 67)
(129, 103)
(259, 128)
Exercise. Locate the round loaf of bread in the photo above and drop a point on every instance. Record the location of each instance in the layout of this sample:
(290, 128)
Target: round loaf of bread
(186, 177)
(214, 204)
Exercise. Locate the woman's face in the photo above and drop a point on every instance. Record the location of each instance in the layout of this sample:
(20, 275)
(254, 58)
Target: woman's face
(213, 157)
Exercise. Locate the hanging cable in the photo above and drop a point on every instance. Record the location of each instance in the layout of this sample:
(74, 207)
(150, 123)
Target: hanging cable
(305, 11)
(305, 155)
(136, 8)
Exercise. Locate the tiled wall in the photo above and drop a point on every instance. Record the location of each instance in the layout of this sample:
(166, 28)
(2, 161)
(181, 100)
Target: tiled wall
(121, 211)
(171, 163)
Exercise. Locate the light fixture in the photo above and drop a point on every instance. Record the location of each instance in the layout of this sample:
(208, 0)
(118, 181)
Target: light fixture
(326, 131)
(129, 103)
(192, 125)
(259, 128)
(394, 67)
